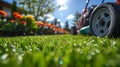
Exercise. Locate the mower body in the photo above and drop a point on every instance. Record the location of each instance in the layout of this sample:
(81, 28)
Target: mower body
(100, 18)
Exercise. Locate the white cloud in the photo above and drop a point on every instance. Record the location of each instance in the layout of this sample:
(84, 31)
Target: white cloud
(40, 18)
(50, 17)
(63, 8)
(70, 16)
(62, 4)
(62, 24)
(58, 20)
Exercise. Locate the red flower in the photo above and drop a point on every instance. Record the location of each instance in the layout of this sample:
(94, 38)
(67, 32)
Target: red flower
(18, 16)
(47, 24)
(53, 26)
(3, 13)
(23, 22)
(12, 21)
(16, 13)
(40, 23)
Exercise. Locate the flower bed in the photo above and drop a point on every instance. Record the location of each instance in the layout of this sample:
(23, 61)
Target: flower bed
(25, 25)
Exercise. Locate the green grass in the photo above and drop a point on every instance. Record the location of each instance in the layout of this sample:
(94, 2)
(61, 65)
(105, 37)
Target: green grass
(59, 51)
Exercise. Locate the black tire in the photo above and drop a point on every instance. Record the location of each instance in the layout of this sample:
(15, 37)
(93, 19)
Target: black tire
(73, 30)
(109, 24)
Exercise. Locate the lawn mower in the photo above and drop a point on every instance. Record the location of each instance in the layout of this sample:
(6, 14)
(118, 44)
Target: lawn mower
(103, 19)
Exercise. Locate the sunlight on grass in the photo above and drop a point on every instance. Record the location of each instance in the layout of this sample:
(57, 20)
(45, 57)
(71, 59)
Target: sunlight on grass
(59, 51)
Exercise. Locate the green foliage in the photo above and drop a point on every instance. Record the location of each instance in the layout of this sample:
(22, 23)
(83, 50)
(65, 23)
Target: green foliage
(66, 26)
(8, 26)
(37, 7)
(59, 51)
(30, 27)
(18, 27)
(14, 7)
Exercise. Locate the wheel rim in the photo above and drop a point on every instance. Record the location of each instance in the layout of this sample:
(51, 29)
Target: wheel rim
(101, 22)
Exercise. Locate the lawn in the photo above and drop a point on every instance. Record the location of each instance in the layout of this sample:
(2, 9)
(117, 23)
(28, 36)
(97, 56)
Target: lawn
(59, 51)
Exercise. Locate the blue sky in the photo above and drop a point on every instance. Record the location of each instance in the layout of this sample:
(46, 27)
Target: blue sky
(69, 8)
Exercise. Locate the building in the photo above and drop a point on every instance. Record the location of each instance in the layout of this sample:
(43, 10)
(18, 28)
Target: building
(6, 7)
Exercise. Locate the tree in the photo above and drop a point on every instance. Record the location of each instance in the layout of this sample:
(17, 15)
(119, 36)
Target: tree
(77, 17)
(59, 25)
(67, 26)
(55, 21)
(37, 7)
(14, 7)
